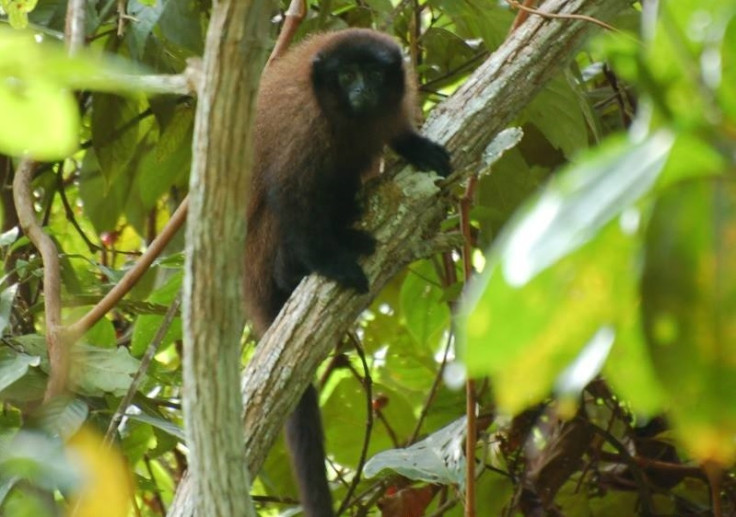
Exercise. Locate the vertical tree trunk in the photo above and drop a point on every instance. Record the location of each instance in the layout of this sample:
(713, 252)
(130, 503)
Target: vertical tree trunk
(212, 303)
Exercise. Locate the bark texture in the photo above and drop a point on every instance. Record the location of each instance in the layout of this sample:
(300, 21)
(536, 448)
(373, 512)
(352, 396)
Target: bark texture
(212, 309)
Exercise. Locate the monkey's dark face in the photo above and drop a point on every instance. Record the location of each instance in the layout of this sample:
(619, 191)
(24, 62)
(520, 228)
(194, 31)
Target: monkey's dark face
(359, 79)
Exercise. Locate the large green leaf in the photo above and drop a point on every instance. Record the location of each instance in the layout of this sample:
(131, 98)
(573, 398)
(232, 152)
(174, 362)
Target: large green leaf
(563, 271)
(689, 302)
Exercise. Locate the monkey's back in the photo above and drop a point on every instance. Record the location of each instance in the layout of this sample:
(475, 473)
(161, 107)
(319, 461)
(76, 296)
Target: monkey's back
(294, 146)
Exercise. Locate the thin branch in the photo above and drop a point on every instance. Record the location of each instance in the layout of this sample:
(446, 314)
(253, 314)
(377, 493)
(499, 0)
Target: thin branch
(471, 438)
(70, 214)
(292, 19)
(133, 274)
(367, 383)
(55, 337)
(432, 391)
(117, 417)
(566, 16)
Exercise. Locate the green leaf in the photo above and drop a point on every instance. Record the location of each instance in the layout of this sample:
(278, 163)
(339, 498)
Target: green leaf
(14, 365)
(438, 458)
(146, 325)
(6, 306)
(727, 88)
(423, 304)
(169, 161)
(688, 303)
(102, 370)
(160, 423)
(137, 440)
(555, 110)
(103, 203)
(40, 118)
(17, 11)
(113, 137)
(563, 270)
(63, 416)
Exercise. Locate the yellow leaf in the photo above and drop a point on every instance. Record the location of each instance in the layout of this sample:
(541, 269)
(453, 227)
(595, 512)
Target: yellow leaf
(106, 487)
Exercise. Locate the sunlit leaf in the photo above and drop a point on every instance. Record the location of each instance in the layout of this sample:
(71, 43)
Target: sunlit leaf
(439, 458)
(106, 487)
(423, 303)
(40, 119)
(17, 11)
(565, 269)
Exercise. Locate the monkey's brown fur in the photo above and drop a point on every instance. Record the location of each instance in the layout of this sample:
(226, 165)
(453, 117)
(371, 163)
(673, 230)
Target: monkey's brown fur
(325, 111)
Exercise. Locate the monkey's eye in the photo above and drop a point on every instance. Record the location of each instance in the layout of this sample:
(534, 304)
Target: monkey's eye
(347, 77)
(375, 76)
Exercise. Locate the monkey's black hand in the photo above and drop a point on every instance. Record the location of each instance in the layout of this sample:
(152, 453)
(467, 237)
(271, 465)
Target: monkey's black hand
(350, 275)
(344, 269)
(358, 241)
(423, 153)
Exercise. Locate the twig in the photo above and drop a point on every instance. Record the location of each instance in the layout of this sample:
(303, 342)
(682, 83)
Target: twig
(432, 391)
(117, 417)
(471, 437)
(133, 274)
(292, 19)
(70, 214)
(367, 382)
(565, 16)
(642, 483)
(56, 338)
(121, 16)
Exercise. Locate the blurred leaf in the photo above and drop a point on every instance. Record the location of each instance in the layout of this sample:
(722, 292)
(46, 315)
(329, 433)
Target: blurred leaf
(727, 88)
(39, 117)
(17, 11)
(8, 237)
(102, 334)
(103, 203)
(578, 203)
(146, 14)
(477, 19)
(63, 416)
(37, 457)
(507, 327)
(446, 52)
(689, 298)
(137, 440)
(346, 405)
(107, 487)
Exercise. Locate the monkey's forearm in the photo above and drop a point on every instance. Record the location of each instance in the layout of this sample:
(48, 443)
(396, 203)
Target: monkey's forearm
(423, 153)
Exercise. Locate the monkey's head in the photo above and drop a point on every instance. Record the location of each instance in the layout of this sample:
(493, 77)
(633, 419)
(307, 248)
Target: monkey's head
(359, 77)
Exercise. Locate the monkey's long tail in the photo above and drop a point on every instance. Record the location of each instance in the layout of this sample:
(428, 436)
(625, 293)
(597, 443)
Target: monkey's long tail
(305, 439)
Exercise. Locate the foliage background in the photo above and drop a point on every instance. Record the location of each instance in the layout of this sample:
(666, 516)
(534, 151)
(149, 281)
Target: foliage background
(605, 238)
